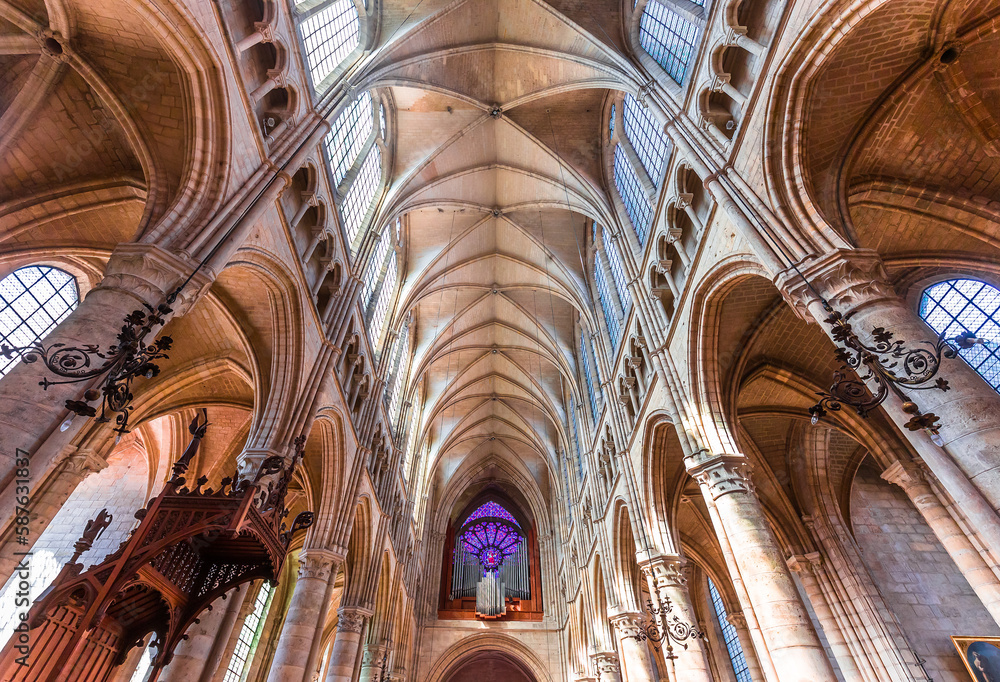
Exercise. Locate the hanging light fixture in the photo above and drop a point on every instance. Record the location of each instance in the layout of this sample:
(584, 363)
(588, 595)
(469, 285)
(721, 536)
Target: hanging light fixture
(662, 624)
(891, 366)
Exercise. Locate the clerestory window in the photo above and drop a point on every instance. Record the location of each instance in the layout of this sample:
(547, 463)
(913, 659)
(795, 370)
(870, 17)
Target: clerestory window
(361, 194)
(329, 33)
(644, 133)
(348, 135)
(669, 38)
(630, 190)
(380, 285)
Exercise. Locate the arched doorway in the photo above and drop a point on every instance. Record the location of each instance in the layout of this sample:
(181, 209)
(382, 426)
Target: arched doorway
(489, 666)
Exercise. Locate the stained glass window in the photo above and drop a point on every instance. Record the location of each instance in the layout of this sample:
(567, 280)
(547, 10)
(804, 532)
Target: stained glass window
(732, 640)
(33, 300)
(669, 38)
(632, 194)
(617, 271)
(361, 194)
(329, 36)
(611, 121)
(249, 635)
(649, 143)
(491, 510)
(348, 135)
(967, 305)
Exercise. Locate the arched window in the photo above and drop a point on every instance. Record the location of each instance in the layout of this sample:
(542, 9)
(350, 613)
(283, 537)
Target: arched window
(588, 376)
(967, 305)
(398, 370)
(33, 300)
(733, 647)
(617, 272)
(246, 644)
(611, 121)
(329, 34)
(669, 38)
(604, 293)
(643, 132)
(381, 119)
(361, 194)
(379, 285)
(348, 135)
(630, 189)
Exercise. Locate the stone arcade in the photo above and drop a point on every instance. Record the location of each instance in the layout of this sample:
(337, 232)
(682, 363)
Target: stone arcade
(546, 286)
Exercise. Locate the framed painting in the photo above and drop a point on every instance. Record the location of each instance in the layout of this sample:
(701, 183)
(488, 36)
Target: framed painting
(981, 656)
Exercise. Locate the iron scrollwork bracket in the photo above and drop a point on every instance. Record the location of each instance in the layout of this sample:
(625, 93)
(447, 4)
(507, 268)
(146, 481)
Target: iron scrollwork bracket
(658, 628)
(891, 366)
(120, 364)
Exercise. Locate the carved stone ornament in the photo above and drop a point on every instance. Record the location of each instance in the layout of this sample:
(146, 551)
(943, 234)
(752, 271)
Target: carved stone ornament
(627, 624)
(316, 564)
(722, 474)
(351, 620)
(150, 273)
(666, 572)
(605, 663)
(847, 278)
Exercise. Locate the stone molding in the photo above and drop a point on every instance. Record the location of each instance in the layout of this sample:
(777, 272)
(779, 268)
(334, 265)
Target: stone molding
(80, 462)
(149, 273)
(352, 618)
(804, 563)
(847, 278)
(907, 476)
(605, 663)
(721, 474)
(627, 624)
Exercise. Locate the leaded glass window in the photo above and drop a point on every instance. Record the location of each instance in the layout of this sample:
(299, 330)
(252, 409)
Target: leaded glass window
(381, 310)
(588, 376)
(374, 269)
(649, 143)
(33, 301)
(617, 272)
(329, 36)
(397, 375)
(610, 315)
(732, 640)
(630, 189)
(246, 644)
(669, 38)
(361, 194)
(611, 121)
(967, 305)
(348, 135)
(381, 119)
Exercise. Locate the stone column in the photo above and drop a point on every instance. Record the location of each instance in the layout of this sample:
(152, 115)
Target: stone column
(72, 466)
(606, 666)
(855, 283)
(30, 417)
(308, 606)
(739, 623)
(350, 623)
(794, 647)
(633, 651)
(984, 581)
(806, 566)
(192, 655)
(669, 586)
(234, 604)
(371, 662)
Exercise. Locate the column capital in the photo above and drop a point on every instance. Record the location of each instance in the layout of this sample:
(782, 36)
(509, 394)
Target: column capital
(804, 563)
(721, 474)
(666, 570)
(737, 620)
(628, 624)
(372, 655)
(352, 618)
(605, 662)
(81, 461)
(847, 278)
(907, 475)
(318, 563)
(150, 273)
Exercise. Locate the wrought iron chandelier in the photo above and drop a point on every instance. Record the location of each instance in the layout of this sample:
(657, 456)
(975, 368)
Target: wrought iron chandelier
(120, 364)
(661, 625)
(891, 366)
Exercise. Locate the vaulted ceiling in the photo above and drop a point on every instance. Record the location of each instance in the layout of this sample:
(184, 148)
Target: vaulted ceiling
(498, 168)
